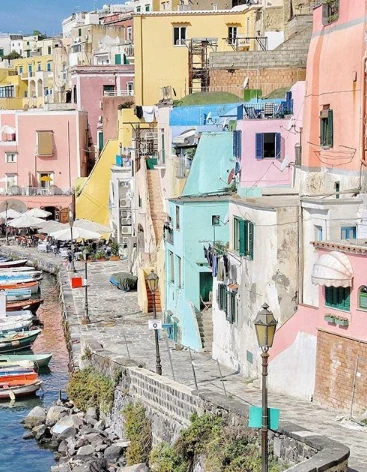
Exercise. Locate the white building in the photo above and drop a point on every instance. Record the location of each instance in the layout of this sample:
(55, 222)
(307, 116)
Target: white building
(16, 43)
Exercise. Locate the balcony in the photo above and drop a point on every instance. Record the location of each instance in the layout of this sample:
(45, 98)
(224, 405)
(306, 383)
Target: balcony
(15, 190)
(267, 110)
(118, 93)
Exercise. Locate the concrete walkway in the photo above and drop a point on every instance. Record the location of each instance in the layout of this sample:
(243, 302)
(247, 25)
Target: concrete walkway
(119, 325)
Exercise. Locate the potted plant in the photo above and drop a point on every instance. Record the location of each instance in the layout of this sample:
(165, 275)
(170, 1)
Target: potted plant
(341, 321)
(115, 248)
(100, 255)
(329, 318)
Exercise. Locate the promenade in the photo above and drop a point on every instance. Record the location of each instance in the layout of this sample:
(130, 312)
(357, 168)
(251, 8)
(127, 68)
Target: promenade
(118, 324)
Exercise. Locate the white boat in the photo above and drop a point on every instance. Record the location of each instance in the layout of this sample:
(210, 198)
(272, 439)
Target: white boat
(14, 391)
(21, 276)
(17, 269)
(18, 263)
(21, 364)
(23, 313)
(15, 325)
(17, 295)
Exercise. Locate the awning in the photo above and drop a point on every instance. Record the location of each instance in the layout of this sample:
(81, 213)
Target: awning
(185, 139)
(333, 270)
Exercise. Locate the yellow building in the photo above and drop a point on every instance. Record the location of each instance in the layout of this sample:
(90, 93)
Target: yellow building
(37, 74)
(12, 90)
(172, 48)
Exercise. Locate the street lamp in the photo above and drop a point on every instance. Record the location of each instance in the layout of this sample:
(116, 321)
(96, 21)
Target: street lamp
(86, 319)
(71, 223)
(6, 222)
(153, 280)
(265, 326)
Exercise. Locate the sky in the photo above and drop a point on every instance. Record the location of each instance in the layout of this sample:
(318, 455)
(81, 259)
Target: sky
(24, 16)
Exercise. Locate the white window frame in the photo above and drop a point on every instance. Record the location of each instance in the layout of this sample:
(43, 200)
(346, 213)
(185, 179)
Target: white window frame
(9, 179)
(130, 88)
(12, 161)
(129, 33)
(181, 41)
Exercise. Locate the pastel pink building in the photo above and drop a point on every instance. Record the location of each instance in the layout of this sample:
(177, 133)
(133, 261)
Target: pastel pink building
(41, 155)
(90, 85)
(271, 133)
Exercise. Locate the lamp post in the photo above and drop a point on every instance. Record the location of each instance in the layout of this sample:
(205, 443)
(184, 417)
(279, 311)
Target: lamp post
(265, 326)
(152, 281)
(86, 319)
(6, 222)
(71, 223)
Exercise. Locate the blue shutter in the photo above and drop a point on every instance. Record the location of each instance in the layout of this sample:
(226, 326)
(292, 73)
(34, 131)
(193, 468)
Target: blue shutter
(278, 142)
(240, 112)
(259, 145)
(237, 144)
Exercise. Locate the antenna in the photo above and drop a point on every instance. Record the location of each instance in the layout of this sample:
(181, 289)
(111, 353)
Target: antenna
(230, 177)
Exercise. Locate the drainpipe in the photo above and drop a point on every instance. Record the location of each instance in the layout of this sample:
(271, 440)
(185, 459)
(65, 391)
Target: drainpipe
(363, 112)
(300, 259)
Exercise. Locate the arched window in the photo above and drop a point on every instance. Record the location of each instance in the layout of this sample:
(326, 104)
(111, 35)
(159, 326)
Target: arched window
(362, 297)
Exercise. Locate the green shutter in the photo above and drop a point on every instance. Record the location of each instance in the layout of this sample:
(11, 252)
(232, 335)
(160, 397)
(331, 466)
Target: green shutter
(117, 59)
(322, 134)
(231, 309)
(363, 300)
(250, 239)
(330, 128)
(338, 297)
(242, 237)
(100, 141)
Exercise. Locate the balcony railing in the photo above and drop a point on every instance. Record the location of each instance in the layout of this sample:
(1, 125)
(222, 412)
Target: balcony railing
(266, 111)
(118, 93)
(35, 191)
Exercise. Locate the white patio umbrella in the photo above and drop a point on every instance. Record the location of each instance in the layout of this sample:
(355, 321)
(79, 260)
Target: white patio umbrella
(26, 221)
(10, 213)
(51, 226)
(78, 233)
(38, 213)
(92, 226)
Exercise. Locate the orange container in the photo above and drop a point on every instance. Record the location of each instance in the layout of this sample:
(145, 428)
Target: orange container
(76, 282)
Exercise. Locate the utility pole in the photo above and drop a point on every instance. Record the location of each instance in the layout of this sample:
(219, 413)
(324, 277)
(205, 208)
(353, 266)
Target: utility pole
(6, 222)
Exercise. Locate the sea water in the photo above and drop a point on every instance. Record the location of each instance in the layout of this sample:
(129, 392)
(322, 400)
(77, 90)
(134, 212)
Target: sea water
(16, 453)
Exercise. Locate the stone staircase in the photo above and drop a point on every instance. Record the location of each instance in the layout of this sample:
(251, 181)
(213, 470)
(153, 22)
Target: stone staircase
(205, 324)
(151, 298)
(157, 213)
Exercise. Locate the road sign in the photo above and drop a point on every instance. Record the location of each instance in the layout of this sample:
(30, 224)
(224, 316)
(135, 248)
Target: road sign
(255, 418)
(154, 324)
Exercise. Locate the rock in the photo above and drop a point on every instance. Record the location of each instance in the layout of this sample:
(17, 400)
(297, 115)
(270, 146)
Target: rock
(99, 465)
(122, 443)
(85, 450)
(100, 447)
(91, 412)
(54, 414)
(63, 447)
(100, 425)
(71, 445)
(60, 468)
(28, 435)
(81, 441)
(67, 433)
(90, 421)
(35, 417)
(113, 453)
(63, 424)
(134, 468)
(41, 431)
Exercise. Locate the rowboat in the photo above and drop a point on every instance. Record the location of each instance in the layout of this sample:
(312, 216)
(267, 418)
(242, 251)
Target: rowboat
(21, 276)
(18, 341)
(21, 364)
(17, 295)
(14, 270)
(19, 263)
(19, 377)
(15, 389)
(39, 360)
(12, 371)
(23, 313)
(31, 285)
(15, 325)
(28, 304)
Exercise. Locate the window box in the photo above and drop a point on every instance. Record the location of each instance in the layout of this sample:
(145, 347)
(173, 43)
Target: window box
(341, 321)
(329, 319)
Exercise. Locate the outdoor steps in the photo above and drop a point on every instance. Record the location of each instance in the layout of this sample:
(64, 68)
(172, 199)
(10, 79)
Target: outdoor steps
(157, 213)
(151, 297)
(205, 324)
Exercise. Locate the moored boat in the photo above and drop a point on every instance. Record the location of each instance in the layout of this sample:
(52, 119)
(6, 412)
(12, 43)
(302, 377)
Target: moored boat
(28, 304)
(20, 324)
(17, 277)
(14, 270)
(18, 341)
(15, 389)
(17, 295)
(23, 313)
(31, 285)
(20, 364)
(19, 377)
(18, 263)
(39, 360)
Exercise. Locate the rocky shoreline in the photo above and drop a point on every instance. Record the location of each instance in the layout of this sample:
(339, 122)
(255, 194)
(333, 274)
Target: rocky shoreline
(81, 441)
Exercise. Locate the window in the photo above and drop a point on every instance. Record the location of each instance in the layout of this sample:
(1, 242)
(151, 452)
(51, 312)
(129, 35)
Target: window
(138, 9)
(44, 143)
(171, 267)
(7, 92)
(11, 180)
(45, 179)
(222, 297)
(49, 66)
(232, 34)
(38, 66)
(1, 52)
(227, 302)
(49, 50)
(215, 220)
(318, 235)
(29, 70)
(338, 297)
(79, 32)
(268, 145)
(330, 11)
(108, 89)
(147, 7)
(243, 237)
(326, 127)
(348, 232)
(163, 148)
(11, 157)
(179, 35)
(129, 33)
(20, 70)
(177, 218)
(237, 143)
(362, 301)
(130, 88)
(179, 274)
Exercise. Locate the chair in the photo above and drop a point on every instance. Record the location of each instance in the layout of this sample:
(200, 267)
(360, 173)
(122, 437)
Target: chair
(207, 304)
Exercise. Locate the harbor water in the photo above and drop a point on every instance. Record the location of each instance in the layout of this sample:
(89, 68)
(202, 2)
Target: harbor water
(16, 453)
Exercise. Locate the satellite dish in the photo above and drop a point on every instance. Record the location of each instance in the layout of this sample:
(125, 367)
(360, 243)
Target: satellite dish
(226, 219)
(285, 163)
(290, 123)
(245, 82)
(230, 177)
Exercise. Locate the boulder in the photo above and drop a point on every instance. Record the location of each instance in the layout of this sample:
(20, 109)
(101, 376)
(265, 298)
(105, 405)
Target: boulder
(40, 431)
(100, 425)
(71, 445)
(67, 433)
(64, 423)
(60, 468)
(63, 447)
(35, 417)
(28, 435)
(134, 468)
(85, 450)
(91, 412)
(54, 414)
(113, 453)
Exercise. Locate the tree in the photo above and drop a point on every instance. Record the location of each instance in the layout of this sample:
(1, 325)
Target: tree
(39, 34)
(12, 55)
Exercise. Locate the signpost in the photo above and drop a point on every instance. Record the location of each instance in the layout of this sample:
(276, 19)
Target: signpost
(154, 324)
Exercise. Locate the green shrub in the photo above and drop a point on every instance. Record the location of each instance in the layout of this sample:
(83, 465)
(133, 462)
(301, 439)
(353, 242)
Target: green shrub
(165, 458)
(88, 388)
(138, 430)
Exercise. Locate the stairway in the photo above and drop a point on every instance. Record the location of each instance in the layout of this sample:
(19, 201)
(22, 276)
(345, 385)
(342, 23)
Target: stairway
(156, 205)
(205, 324)
(157, 297)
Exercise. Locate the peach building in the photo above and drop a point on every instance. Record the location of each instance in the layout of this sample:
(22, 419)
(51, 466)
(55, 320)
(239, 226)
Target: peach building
(42, 153)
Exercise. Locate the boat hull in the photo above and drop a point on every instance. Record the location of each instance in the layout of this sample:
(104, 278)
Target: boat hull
(7, 264)
(39, 360)
(32, 285)
(16, 391)
(29, 304)
(19, 341)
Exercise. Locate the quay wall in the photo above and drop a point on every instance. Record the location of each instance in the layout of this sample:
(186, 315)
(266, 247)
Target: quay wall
(170, 404)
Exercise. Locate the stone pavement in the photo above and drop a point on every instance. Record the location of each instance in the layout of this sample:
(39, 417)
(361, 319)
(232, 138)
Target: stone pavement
(119, 325)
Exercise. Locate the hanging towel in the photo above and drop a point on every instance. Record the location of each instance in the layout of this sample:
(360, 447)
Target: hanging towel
(220, 274)
(138, 111)
(226, 266)
(214, 266)
(148, 114)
